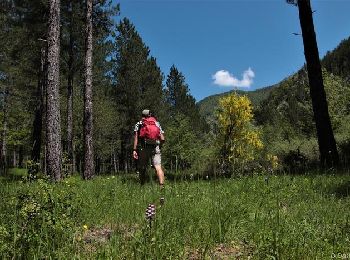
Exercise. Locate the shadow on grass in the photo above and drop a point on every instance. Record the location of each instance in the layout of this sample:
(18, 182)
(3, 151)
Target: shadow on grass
(341, 191)
(13, 175)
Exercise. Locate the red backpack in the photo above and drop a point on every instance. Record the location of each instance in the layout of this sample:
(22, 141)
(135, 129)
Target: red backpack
(149, 129)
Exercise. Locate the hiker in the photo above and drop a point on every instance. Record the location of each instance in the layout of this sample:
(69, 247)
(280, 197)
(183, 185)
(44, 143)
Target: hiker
(148, 137)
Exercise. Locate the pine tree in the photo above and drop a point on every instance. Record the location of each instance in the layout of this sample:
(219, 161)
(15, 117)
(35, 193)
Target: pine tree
(39, 110)
(327, 146)
(72, 59)
(28, 42)
(180, 100)
(152, 94)
(24, 36)
(138, 83)
(89, 168)
(53, 128)
(70, 78)
(3, 144)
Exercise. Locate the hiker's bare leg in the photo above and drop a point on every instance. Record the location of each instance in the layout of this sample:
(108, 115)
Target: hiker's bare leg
(161, 178)
(160, 174)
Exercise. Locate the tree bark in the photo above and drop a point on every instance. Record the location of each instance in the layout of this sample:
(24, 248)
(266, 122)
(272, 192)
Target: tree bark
(38, 118)
(14, 158)
(70, 90)
(115, 163)
(327, 146)
(3, 150)
(53, 127)
(89, 168)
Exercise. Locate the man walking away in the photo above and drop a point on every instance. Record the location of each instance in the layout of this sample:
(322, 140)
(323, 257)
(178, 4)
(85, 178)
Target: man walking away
(148, 137)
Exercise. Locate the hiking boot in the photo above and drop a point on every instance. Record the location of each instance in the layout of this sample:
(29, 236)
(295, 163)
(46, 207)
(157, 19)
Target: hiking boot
(161, 201)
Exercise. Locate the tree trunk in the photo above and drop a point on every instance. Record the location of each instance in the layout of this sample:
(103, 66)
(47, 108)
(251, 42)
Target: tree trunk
(3, 150)
(126, 166)
(98, 166)
(20, 157)
(53, 127)
(70, 90)
(44, 161)
(38, 118)
(326, 142)
(89, 168)
(115, 163)
(14, 158)
(74, 164)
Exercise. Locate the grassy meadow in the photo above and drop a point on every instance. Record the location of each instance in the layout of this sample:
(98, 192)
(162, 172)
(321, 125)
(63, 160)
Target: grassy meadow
(259, 217)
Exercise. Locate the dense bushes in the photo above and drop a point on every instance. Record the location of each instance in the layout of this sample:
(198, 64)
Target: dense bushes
(37, 219)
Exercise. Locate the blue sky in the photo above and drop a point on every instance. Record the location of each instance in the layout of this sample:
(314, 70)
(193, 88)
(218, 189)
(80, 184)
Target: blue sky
(223, 44)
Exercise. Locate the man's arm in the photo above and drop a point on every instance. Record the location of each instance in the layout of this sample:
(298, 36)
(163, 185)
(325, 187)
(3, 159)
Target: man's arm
(162, 138)
(135, 141)
(134, 153)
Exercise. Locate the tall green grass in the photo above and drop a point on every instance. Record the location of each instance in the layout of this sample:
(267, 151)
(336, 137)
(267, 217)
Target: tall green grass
(282, 217)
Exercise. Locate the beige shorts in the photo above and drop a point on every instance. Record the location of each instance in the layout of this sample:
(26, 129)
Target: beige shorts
(149, 154)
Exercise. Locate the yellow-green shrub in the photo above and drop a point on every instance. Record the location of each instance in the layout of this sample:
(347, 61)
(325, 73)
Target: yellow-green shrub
(238, 139)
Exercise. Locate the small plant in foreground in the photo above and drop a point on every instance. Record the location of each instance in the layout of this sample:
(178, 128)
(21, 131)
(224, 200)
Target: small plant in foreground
(150, 213)
(46, 219)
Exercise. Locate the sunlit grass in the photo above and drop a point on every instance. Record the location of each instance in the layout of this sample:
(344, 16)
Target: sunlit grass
(280, 217)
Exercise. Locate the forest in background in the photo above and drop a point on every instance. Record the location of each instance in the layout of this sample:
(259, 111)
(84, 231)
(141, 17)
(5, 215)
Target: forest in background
(127, 79)
(74, 78)
(284, 111)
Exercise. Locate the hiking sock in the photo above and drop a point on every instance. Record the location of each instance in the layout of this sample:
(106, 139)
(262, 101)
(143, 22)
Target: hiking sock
(162, 191)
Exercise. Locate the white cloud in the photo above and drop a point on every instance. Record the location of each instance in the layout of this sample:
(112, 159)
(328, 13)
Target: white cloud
(226, 79)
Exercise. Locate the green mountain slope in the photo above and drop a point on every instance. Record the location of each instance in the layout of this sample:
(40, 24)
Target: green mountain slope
(290, 103)
(336, 62)
(208, 105)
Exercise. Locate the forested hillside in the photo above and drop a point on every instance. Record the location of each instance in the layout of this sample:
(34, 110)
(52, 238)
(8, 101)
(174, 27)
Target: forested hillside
(336, 62)
(284, 111)
(208, 105)
(288, 110)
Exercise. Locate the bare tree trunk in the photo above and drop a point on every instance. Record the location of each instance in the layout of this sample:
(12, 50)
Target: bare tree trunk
(14, 158)
(114, 163)
(70, 90)
(3, 150)
(20, 157)
(38, 118)
(44, 161)
(53, 127)
(327, 146)
(126, 166)
(89, 168)
(74, 161)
